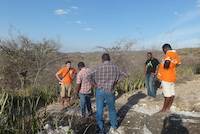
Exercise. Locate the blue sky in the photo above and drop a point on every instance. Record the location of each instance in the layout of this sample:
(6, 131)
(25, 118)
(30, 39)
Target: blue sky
(81, 25)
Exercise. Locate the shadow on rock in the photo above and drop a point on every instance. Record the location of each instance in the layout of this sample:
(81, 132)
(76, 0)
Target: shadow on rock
(173, 124)
(134, 99)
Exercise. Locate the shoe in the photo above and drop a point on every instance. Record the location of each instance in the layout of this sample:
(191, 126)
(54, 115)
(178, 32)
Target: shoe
(113, 131)
(83, 115)
(100, 132)
(90, 113)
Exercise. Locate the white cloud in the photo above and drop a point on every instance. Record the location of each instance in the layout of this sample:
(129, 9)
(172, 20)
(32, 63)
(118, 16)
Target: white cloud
(181, 37)
(198, 3)
(61, 12)
(88, 29)
(78, 22)
(192, 42)
(74, 7)
(186, 17)
(176, 13)
(181, 32)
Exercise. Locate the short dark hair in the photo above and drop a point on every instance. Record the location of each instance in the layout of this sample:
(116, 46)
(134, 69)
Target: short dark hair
(68, 62)
(166, 45)
(149, 53)
(105, 57)
(81, 64)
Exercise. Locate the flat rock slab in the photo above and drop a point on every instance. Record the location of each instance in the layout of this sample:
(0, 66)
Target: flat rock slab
(138, 114)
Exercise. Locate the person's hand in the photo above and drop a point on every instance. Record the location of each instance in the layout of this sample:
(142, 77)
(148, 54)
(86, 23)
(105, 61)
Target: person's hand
(94, 85)
(60, 82)
(167, 64)
(76, 93)
(153, 74)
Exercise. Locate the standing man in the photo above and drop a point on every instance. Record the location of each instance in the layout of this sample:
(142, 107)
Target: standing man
(167, 75)
(65, 77)
(150, 74)
(84, 88)
(104, 78)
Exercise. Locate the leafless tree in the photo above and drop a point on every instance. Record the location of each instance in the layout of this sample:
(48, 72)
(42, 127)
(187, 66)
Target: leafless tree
(120, 51)
(24, 61)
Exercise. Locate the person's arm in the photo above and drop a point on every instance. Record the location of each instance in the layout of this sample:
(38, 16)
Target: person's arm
(91, 78)
(145, 70)
(178, 60)
(78, 83)
(74, 73)
(157, 66)
(122, 75)
(57, 75)
(157, 69)
(78, 88)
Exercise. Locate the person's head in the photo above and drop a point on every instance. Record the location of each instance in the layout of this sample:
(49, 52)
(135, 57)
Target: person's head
(81, 65)
(166, 47)
(149, 55)
(68, 64)
(105, 57)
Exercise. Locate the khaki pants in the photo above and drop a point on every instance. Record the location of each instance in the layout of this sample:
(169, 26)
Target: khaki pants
(65, 90)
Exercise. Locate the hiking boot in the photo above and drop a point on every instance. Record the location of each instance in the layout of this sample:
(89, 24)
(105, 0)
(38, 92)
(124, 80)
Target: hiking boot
(83, 116)
(113, 131)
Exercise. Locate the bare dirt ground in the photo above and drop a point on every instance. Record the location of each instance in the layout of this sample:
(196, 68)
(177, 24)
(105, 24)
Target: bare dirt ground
(139, 115)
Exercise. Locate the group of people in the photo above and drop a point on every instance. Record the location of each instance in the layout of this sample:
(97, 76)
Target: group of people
(103, 79)
(105, 76)
(165, 72)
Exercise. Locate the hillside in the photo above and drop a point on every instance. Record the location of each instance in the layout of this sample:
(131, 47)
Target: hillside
(139, 115)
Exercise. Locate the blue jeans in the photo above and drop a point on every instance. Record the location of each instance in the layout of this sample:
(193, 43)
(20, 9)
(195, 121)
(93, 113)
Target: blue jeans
(85, 102)
(150, 85)
(102, 97)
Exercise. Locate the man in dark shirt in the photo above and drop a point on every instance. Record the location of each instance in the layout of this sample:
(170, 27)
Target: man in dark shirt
(150, 74)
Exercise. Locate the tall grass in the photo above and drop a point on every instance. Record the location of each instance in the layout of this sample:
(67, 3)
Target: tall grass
(18, 109)
(131, 84)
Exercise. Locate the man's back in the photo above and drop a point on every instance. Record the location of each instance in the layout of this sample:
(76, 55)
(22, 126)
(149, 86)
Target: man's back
(106, 75)
(169, 75)
(82, 79)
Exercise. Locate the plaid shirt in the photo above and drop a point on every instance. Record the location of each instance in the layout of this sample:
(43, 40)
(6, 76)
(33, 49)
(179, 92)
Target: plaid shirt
(106, 75)
(82, 79)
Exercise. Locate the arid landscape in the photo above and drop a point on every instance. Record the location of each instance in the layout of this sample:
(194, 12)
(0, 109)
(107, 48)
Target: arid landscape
(30, 92)
(57, 55)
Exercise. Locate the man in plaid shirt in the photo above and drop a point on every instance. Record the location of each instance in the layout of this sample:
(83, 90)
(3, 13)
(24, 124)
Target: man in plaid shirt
(104, 78)
(84, 89)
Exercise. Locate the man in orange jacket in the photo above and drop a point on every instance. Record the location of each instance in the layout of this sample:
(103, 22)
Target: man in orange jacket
(167, 75)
